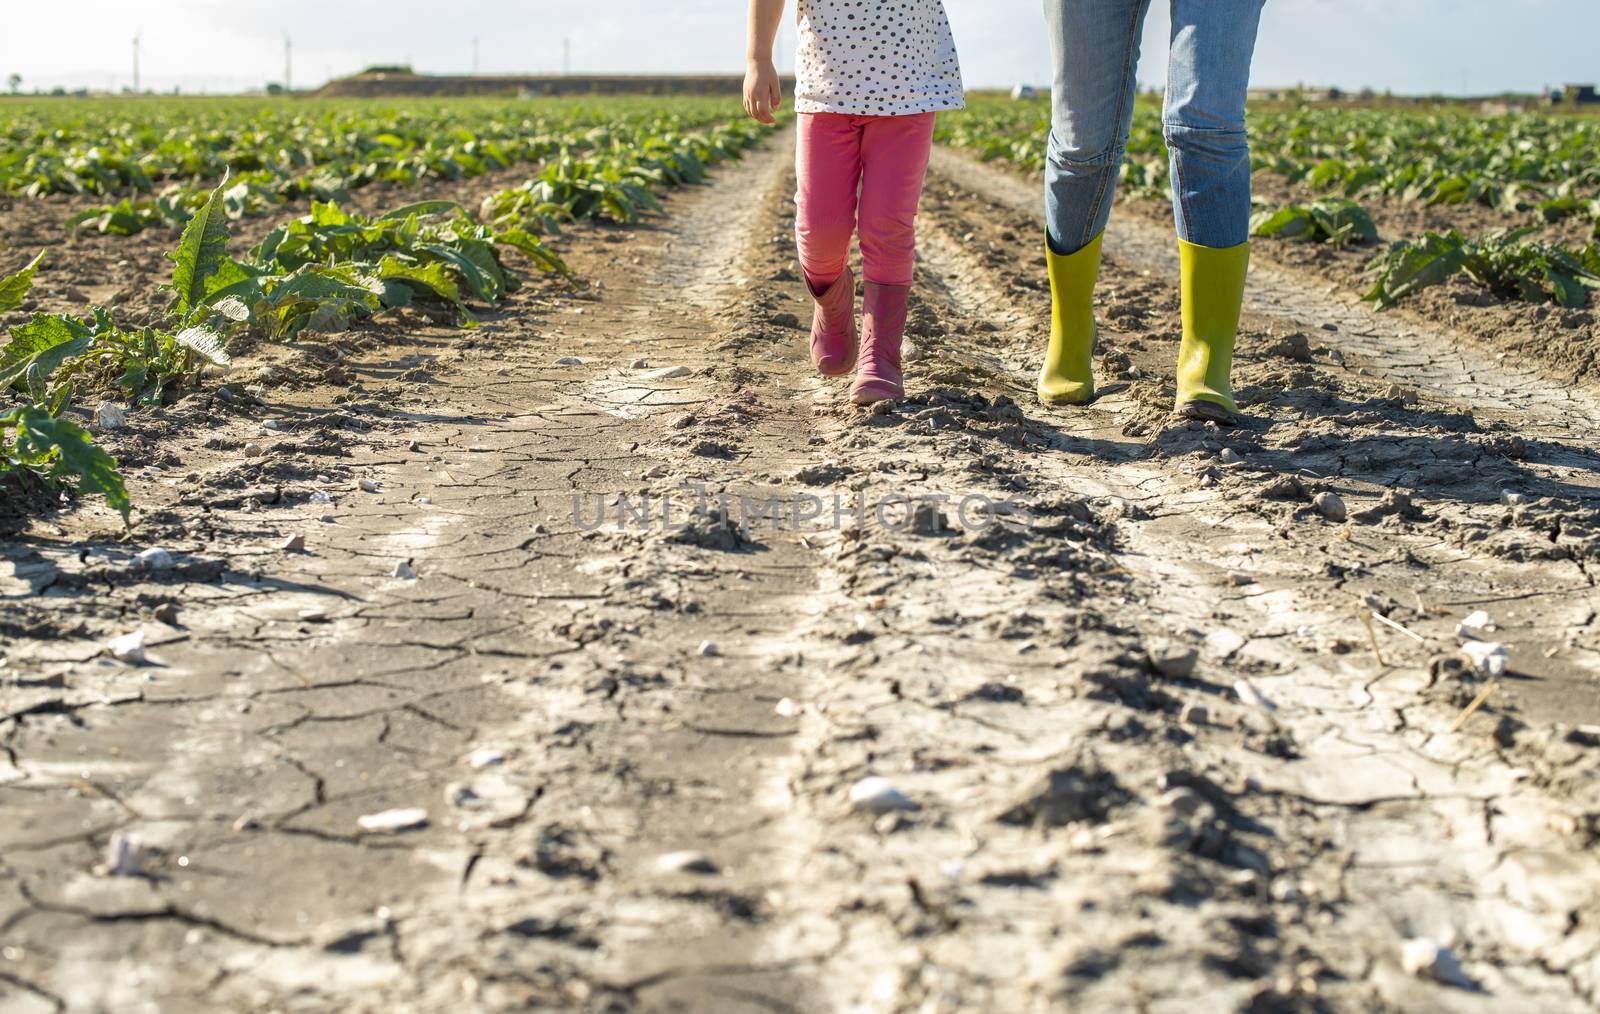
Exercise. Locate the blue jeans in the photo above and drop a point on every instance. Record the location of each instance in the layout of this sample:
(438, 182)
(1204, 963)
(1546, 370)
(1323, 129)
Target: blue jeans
(1096, 48)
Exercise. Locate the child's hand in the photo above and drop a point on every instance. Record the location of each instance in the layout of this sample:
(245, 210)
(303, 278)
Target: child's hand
(763, 93)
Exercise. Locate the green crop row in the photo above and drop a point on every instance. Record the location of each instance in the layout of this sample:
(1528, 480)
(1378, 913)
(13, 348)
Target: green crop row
(1517, 163)
(323, 271)
(278, 153)
(1528, 167)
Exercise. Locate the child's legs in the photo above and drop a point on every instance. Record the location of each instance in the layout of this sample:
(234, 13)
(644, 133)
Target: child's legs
(894, 156)
(828, 166)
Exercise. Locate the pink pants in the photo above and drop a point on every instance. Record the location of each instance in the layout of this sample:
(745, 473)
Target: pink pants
(884, 158)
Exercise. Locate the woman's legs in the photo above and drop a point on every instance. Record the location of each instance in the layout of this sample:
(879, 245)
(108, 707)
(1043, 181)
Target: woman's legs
(1208, 74)
(1207, 78)
(1095, 45)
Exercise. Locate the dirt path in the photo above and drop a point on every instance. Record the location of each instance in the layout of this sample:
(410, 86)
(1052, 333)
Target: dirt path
(636, 748)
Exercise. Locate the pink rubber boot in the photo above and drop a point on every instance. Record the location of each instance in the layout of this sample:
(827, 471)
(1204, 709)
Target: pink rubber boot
(833, 326)
(878, 376)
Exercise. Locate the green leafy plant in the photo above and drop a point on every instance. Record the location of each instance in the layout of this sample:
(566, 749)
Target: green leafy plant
(128, 217)
(35, 440)
(332, 267)
(1336, 220)
(1499, 261)
(14, 290)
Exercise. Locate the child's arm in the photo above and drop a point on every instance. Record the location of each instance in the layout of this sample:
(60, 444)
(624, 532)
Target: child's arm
(763, 93)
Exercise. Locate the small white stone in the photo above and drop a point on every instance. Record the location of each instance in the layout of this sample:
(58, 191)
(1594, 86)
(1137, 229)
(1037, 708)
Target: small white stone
(879, 795)
(1488, 657)
(709, 648)
(1251, 696)
(128, 648)
(1330, 506)
(639, 364)
(393, 820)
(320, 497)
(787, 708)
(110, 417)
(403, 571)
(1475, 626)
(154, 558)
(687, 861)
(1429, 959)
(126, 855)
(313, 615)
(1511, 499)
(569, 361)
(1171, 659)
(295, 543)
(1229, 456)
(368, 485)
(486, 757)
(253, 450)
(1224, 642)
(669, 373)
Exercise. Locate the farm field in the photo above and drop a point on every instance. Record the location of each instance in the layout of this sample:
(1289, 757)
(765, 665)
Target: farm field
(354, 685)
(1497, 218)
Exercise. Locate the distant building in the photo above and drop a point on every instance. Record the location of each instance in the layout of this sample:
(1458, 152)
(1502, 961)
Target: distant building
(1573, 95)
(399, 81)
(1298, 93)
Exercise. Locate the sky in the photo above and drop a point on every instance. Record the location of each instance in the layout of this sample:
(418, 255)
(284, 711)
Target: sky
(1408, 46)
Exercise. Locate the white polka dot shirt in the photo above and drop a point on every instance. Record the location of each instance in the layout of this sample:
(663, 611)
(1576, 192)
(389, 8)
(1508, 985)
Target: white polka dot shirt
(876, 58)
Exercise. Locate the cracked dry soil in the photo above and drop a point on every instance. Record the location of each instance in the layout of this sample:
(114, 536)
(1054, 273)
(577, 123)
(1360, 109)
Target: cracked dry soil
(1165, 739)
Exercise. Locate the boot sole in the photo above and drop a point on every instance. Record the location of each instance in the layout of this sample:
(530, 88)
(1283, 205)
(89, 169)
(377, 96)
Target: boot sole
(1209, 411)
(1063, 402)
(873, 393)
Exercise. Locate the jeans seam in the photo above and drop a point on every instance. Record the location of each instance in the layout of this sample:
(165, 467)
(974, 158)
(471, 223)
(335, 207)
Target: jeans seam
(1116, 142)
(1179, 198)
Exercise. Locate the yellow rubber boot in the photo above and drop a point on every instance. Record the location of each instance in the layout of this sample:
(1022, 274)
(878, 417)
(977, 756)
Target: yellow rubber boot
(1067, 377)
(1213, 291)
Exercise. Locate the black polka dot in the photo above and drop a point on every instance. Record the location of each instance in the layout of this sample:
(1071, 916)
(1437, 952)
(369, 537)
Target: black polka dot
(908, 66)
